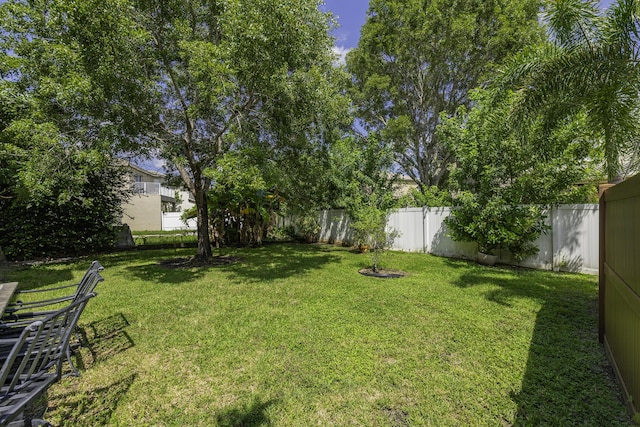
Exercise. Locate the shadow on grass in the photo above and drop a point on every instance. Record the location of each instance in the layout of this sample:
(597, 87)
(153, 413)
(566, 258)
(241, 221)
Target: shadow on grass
(568, 380)
(92, 407)
(105, 339)
(171, 276)
(38, 277)
(252, 415)
(269, 262)
(280, 261)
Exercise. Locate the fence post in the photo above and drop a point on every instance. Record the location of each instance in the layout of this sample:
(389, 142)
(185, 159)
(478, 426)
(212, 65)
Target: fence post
(425, 229)
(554, 245)
(602, 282)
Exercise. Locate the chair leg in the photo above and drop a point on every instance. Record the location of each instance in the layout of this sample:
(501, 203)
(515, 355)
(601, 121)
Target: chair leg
(74, 372)
(29, 421)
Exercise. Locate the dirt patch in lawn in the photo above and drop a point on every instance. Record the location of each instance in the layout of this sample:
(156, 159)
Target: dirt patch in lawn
(383, 274)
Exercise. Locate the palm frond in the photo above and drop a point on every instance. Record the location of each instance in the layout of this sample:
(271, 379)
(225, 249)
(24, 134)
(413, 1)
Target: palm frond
(573, 22)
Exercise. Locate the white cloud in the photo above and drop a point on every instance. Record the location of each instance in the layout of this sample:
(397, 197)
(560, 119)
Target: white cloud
(159, 163)
(341, 53)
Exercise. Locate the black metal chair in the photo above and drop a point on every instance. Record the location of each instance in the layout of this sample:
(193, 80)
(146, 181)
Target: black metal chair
(34, 361)
(13, 309)
(11, 325)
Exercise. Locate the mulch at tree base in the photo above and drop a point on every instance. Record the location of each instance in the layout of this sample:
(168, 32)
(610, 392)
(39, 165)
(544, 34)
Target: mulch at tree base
(190, 262)
(383, 274)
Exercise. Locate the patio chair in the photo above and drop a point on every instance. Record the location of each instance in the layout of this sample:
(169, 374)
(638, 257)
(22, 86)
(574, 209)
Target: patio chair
(20, 305)
(16, 315)
(12, 325)
(34, 361)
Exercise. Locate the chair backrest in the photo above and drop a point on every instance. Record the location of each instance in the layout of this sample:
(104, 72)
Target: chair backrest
(40, 347)
(95, 267)
(88, 283)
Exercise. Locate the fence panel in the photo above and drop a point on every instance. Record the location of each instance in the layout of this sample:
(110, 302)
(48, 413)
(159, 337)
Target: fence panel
(575, 241)
(571, 245)
(409, 225)
(334, 226)
(438, 240)
(620, 284)
(172, 221)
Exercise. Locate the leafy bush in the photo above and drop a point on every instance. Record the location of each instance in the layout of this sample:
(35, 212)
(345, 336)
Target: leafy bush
(502, 175)
(426, 197)
(496, 225)
(83, 223)
(281, 233)
(308, 225)
(242, 203)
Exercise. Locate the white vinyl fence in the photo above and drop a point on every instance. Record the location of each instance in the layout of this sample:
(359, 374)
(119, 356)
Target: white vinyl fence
(172, 221)
(570, 245)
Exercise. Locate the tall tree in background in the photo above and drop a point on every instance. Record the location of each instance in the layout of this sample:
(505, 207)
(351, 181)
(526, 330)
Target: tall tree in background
(417, 58)
(591, 64)
(188, 79)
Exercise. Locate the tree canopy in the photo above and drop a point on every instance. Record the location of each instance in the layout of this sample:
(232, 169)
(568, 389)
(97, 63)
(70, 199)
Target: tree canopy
(416, 59)
(59, 192)
(589, 65)
(187, 80)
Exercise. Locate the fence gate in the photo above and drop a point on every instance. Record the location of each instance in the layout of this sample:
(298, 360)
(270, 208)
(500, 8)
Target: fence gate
(619, 320)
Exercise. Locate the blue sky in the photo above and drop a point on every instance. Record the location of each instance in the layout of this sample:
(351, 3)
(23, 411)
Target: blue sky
(351, 15)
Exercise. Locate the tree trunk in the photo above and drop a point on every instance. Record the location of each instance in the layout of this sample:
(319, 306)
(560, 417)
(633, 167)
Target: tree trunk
(204, 241)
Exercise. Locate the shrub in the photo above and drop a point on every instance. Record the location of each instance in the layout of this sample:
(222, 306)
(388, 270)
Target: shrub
(84, 223)
(495, 225)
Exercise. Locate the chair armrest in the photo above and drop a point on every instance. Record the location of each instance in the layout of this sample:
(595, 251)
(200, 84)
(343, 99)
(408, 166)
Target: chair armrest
(48, 289)
(19, 305)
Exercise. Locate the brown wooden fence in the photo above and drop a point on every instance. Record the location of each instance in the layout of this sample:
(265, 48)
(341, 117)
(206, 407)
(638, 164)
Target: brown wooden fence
(620, 283)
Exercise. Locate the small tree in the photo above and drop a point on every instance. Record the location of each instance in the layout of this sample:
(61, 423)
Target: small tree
(370, 229)
(368, 190)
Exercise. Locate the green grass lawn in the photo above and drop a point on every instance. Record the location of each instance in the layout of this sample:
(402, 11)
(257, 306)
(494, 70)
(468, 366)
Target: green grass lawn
(294, 336)
(174, 237)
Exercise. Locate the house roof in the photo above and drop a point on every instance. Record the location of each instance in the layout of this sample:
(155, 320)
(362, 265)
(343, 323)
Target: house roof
(145, 171)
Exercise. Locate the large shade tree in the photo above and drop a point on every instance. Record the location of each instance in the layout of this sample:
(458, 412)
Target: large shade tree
(416, 59)
(590, 65)
(186, 80)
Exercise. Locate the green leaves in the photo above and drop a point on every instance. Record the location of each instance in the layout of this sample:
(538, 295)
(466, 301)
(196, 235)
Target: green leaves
(189, 81)
(504, 173)
(493, 224)
(416, 59)
(589, 66)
